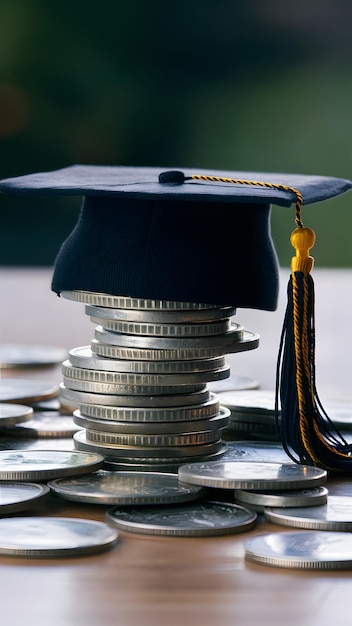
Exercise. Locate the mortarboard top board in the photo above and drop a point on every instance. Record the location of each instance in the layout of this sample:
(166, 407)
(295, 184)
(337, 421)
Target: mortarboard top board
(192, 235)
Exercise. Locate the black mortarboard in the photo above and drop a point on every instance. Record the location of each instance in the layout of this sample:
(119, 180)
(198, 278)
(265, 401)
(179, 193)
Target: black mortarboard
(203, 236)
(161, 234)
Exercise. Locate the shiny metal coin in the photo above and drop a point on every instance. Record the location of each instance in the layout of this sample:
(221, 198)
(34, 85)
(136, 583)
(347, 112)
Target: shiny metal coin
(335, 515)
(162, 316)
(44, 424)
(120, 451)
(188, 412)
(126, 488)
(54, 536)
(301, 550)
(124, 302)
(146, 379)
(252, 475)
(16, 496)
(156, 440)
(253, 401)
(258, 500)
(187, 520)
(14, 414)
(81, 397)
(144, 329)
(45, 464)
(256, 451)
(154, 465)
(218, 422)
(235, 333)
(233, 383)
(250, 341)
(20, 356)
(129, 390)
(27, 390)
(83, 357)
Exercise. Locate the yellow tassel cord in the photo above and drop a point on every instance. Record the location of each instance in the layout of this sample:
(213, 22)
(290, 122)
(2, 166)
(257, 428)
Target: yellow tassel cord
(304, 427)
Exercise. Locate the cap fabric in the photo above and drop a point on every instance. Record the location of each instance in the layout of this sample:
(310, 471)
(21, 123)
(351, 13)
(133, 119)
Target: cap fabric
(181, 239)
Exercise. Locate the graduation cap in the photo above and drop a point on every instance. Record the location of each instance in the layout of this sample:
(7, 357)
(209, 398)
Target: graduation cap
(203, 236)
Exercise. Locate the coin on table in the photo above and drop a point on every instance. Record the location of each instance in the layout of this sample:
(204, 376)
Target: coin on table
(126, 488)
(17, 496)
(14, 414)
(302, 550)
(259, 500)
(45, 464)
(54, 536)
(256, 451)
(18, 355)
(335, 515)
(252, 475)
(26, 390)
(44, 424)
(185, 520)
(254, 401)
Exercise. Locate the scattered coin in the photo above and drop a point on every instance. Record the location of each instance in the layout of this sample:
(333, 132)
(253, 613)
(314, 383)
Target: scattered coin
(335, 515)
(54, 536)
(252, 475)
(44, 424)
(14, 414)
(302, 549)
(16, 496)
(27, 390)
(256, 451)
(18, 356)
(259, 500)
(39, 465)
(187, 520)
(126, 488)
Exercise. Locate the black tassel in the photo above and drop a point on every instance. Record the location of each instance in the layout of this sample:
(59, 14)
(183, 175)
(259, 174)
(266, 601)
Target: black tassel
(307, 433)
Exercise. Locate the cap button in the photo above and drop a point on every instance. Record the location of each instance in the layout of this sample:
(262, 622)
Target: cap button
(172, 176)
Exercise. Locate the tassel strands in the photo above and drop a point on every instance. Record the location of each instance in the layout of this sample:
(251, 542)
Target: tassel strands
(306, 431)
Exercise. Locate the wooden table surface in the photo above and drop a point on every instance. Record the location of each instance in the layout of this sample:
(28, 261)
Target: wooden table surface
(152, 580)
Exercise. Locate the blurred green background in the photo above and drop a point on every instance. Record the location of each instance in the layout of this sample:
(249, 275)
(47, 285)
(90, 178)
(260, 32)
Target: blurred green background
(261, 85)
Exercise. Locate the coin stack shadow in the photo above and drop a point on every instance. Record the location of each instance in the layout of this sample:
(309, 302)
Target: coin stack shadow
(140, 389)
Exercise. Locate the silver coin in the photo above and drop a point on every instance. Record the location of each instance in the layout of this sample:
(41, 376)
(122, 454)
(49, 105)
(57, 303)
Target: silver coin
(45, 464)
(14, 414)
(250, 341)
(17, 355)
(129, 390)
(84, 358)
(155, 440)
(253, 401)
(144, 329)
(200, 410)
(54, 536)
(252, 475)
(44, 424)
(125, 302)
(235, 333)
(126, 488)
(233, 383)
(256, 451)
(27, 390)
(81, 397)
(187, 520)
(154, 465)
(120, 451)
(258, 500)
(16, 496)
(162, 316)
(335, 515)
(146, 379)
(218, 422)
(302, 550)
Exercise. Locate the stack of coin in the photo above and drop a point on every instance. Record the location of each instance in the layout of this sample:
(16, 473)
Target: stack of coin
(140, 389)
